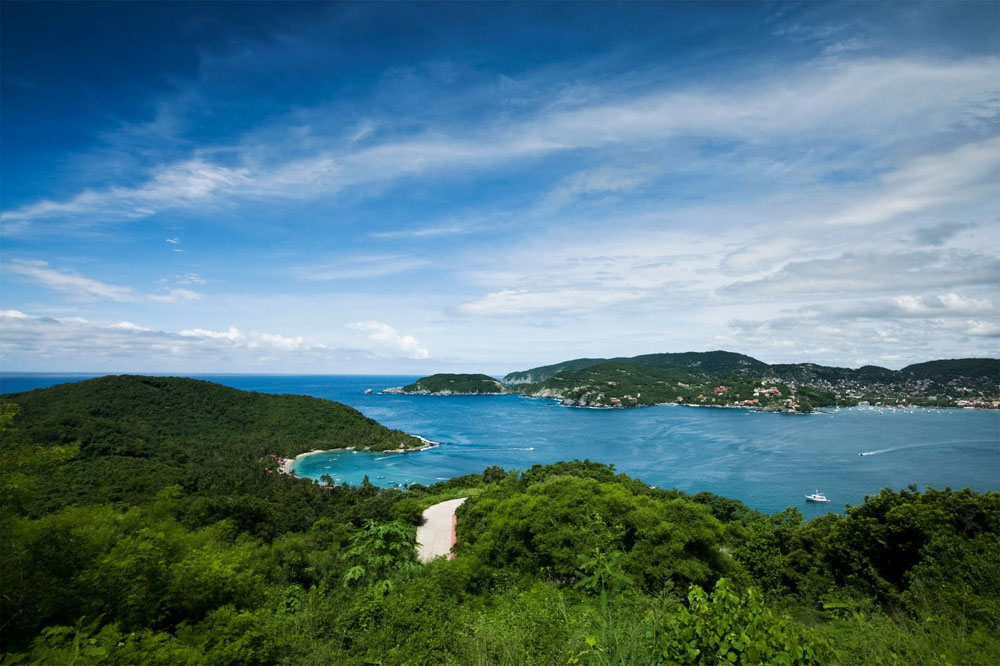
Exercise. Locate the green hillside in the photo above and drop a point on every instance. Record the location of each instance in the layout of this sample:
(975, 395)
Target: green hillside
(134, 435)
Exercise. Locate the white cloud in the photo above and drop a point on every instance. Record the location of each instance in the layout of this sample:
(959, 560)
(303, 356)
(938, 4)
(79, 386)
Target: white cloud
(389, 338)
(232, 334)
(252, 340)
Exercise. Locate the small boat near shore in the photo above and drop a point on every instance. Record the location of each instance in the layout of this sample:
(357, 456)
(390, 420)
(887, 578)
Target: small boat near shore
(817, 497)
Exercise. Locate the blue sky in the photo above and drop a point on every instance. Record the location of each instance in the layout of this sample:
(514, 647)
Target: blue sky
(486, 187)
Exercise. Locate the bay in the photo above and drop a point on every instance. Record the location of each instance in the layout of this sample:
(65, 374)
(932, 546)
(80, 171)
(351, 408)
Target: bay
(769, 461)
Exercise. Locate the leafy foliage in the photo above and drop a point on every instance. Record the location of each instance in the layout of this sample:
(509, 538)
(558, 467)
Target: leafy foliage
(735, 627)
(376, 552)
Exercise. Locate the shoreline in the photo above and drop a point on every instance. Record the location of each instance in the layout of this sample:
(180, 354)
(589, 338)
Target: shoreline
(285, 464)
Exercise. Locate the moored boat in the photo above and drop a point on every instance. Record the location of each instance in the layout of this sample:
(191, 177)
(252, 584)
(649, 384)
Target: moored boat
(817, 497)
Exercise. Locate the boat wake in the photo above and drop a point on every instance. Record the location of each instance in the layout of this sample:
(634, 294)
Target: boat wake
(507, 448)
(916, 446)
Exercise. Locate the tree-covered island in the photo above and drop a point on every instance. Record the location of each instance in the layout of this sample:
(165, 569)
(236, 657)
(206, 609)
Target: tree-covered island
(453, 384)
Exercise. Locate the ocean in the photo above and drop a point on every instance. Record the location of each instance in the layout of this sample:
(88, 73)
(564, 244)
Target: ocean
(769, 461)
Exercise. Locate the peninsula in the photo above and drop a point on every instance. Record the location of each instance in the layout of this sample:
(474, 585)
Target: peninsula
(729, 379)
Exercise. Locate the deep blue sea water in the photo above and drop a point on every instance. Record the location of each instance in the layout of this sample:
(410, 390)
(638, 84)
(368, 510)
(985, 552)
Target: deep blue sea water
(769, 461)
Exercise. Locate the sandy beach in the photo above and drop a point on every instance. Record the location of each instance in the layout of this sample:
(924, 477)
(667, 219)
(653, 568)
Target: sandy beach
(286, 464)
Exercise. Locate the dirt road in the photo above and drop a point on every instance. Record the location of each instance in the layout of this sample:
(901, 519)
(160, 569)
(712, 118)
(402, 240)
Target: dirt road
(437, 535)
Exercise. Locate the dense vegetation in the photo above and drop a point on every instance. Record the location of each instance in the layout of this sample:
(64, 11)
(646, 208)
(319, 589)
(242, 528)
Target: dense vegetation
(217, 559)
(451, 384)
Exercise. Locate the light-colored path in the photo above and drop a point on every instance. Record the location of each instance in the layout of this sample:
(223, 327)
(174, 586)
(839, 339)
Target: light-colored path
(437, 535)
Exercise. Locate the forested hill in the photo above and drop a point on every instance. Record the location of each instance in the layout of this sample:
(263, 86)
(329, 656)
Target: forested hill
(453, 384)
(134, 435)
(140, 416)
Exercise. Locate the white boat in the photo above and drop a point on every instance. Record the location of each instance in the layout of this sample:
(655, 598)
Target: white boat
(817, 497)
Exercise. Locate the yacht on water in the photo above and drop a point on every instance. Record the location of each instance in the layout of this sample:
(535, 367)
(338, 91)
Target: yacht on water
(817, 497)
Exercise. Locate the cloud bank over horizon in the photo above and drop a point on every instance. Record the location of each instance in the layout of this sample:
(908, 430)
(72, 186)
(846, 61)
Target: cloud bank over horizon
(257, 197)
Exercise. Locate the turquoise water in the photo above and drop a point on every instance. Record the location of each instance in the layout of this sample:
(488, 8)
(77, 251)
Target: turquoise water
(769, 461)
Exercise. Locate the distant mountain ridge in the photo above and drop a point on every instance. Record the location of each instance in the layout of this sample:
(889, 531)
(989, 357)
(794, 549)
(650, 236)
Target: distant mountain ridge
(725, 362)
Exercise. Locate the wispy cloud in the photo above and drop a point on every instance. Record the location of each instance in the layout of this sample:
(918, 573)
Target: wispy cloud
(359, 267)
(971, 170)
(178, 185)
(426, 232)
(913, 98)
(75, 286)
(80, 288)
(876, 272)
